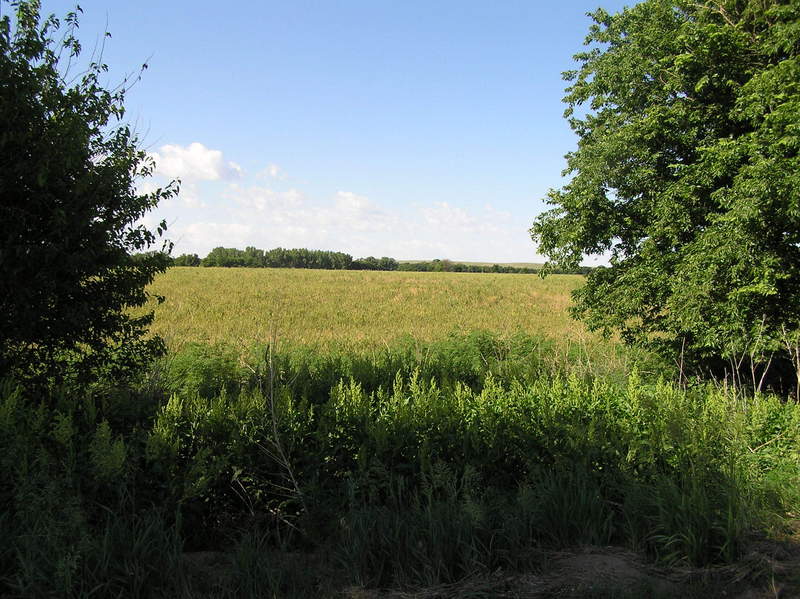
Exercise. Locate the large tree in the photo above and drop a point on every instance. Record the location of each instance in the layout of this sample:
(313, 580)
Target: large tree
(687, 175)
(69, 209)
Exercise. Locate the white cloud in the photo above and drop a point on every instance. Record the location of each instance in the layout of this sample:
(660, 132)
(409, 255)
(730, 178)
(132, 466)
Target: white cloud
(189, 193)
(350, 202)
(353, 223)
(202, 237)
(346, 213)
(275, 204)
(272, 171)
(454, 222)
(219, 207)
(195, 161)
(145, 186)
(358, 213)
(190, 196)
(442, 214)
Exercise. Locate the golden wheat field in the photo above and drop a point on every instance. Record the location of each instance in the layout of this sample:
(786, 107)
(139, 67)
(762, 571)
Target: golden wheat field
(242, 307)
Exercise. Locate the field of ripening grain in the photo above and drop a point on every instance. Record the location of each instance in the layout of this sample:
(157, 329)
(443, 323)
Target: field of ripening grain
(241, 307)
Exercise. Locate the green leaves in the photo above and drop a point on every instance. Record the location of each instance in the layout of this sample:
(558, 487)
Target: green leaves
(70, 211)
(687, 172)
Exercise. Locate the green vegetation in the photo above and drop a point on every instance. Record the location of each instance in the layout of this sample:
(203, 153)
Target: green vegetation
(413, 466)
(688, 172)
(252, 257)
(328, 433)
(243, 307)
(280, 258)
(69, 212)
(239, 469)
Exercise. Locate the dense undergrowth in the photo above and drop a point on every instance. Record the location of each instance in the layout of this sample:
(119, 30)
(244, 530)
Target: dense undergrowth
(415, 465)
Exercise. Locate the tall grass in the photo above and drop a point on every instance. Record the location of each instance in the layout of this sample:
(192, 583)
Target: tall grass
(359, 309)
(684, 474)
(412, 465)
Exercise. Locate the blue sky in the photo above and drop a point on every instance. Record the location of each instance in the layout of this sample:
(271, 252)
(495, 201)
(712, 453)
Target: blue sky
(416, 130)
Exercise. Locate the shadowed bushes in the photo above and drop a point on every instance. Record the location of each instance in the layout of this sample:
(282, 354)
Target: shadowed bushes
(410, 467)
(682, 473)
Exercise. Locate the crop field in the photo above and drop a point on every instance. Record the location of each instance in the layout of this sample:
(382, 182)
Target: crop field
(305, 423)
(406, 431)
(242, 307)
(335, 430)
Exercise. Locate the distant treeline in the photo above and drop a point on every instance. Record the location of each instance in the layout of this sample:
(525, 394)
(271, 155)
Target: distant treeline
(252, 257)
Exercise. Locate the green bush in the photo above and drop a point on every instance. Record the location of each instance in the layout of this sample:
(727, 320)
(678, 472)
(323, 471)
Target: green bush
(397, 474)
(682, 473)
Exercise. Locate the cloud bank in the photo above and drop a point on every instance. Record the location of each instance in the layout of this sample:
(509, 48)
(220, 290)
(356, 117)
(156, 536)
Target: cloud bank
(194, 162)
(220, 205)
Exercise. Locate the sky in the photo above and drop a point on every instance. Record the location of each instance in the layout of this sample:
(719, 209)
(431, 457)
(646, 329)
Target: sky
(410, 129)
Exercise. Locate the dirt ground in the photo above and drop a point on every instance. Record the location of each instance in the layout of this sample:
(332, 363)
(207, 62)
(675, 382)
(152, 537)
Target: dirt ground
(769, 569)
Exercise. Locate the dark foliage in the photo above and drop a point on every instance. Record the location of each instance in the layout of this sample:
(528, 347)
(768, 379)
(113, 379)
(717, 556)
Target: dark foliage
(687, 173)
(187, 260)
(70, 211)
(328, 260)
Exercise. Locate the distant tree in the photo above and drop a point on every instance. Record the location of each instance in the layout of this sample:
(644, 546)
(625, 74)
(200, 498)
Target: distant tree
(275, 258)
(687, 171)
(342, 261)
(253, 258)
(69, 211)
(221, 256)
(368, 263)
(186, 260)
(386, 263)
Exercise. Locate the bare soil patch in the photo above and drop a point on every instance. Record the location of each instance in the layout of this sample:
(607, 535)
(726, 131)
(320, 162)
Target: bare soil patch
(769, 569)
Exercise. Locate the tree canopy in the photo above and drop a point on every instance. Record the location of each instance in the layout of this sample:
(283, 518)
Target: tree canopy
(687, 174)
(252, 257)
(70, 209)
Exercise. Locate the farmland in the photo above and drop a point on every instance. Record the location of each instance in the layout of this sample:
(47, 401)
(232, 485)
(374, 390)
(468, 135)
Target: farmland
(364, 308)
(229, 427)
(316, 431)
